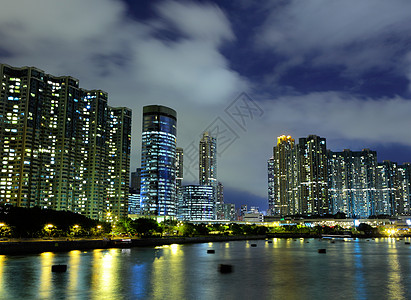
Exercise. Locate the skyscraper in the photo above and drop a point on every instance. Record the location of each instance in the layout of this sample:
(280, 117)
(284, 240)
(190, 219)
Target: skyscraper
(60, 145)
(285, 177)
(386, 188)
(179, 167)
(158, 157)
(220, 202)
(313, 178)
(352, 182)
(271, 192)
(119, 144)
(208, 160)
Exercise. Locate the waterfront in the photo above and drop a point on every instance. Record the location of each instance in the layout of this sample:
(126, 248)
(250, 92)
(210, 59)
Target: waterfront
(282, 269)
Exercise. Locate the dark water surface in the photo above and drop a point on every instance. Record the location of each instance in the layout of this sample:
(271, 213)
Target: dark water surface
(283, 269)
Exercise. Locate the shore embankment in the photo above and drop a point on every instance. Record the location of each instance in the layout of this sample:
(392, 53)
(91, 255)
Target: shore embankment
(19, 247)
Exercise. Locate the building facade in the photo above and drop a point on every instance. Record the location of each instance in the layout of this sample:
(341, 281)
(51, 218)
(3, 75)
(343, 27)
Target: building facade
(208, 160)
(158, 160)
(285, 184)
(198, 203)
(352, 182)
(57, 145)
(313, 176)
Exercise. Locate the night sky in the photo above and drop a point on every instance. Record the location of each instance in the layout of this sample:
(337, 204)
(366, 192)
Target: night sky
(246, 70)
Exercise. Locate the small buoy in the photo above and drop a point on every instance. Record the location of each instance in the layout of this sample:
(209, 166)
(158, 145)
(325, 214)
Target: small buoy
(58, 268)
(322, 251)
(270, 242)
(407, 243)
(253, 245)
(225, 268)
(332, 242)
(210, 251)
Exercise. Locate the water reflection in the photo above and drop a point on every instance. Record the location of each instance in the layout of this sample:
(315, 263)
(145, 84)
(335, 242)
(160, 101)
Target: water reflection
(2, 290)
(105, 275)
(168, 274)
(284, 269)
(45, 275)
(73, 276)
(395, 290)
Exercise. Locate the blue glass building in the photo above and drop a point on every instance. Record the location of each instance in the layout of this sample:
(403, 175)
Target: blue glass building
(158, 156)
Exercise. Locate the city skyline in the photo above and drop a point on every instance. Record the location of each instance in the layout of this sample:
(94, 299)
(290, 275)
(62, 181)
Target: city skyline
(340, 70)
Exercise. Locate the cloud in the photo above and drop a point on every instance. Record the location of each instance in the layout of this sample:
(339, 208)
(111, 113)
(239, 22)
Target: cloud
(206, 22)
(358, 35)
(97, 42)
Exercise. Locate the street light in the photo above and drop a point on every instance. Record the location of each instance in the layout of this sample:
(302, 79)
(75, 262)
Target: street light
(48, 228)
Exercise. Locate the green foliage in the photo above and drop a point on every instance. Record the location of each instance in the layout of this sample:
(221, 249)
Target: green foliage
(145, 226)
(31, 222)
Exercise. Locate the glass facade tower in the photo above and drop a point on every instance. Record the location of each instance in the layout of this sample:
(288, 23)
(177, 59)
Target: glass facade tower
(158, 160)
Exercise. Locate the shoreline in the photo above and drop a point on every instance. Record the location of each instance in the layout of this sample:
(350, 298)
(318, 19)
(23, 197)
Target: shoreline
(60, 245)
(36, 246)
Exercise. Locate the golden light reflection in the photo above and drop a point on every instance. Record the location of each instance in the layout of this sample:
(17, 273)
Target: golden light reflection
(210, 244)
(46, 274)
(168, 274)
(395, 290)
(174, 248)
(74, 263)
(104, 276)
(227, 245)
(2, 259)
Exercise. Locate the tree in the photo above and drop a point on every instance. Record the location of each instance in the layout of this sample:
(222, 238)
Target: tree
(145, 226)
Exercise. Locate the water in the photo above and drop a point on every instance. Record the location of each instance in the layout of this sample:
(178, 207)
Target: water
(283, 269)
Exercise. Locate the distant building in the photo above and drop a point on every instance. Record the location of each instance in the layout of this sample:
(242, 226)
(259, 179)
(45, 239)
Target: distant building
(313, 176)
(134, 202)
(271, 188)
(208, 160)
(284, 179)
(135, 180)
(253, 217)
(404, 189)
(230, 212)
(220, 202)
(158, 158)
(307, 179)
(198, 203)
(352, 182)
(179, 167)
(386, 188)
(134, 195)
(63, 147)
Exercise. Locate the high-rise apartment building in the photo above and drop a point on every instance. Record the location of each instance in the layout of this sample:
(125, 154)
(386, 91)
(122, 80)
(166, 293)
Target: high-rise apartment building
(119, 145)
(313, 177)
(158, 159)
(352, 182)
(284, 178)
(220, 202)
(386, 188)
(58, 144)
(271, 191)
(208, 160)
(179, 167)
(404, 189)
(307, 179)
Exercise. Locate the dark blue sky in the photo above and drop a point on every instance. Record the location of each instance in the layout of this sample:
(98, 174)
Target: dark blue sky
(339, 69)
